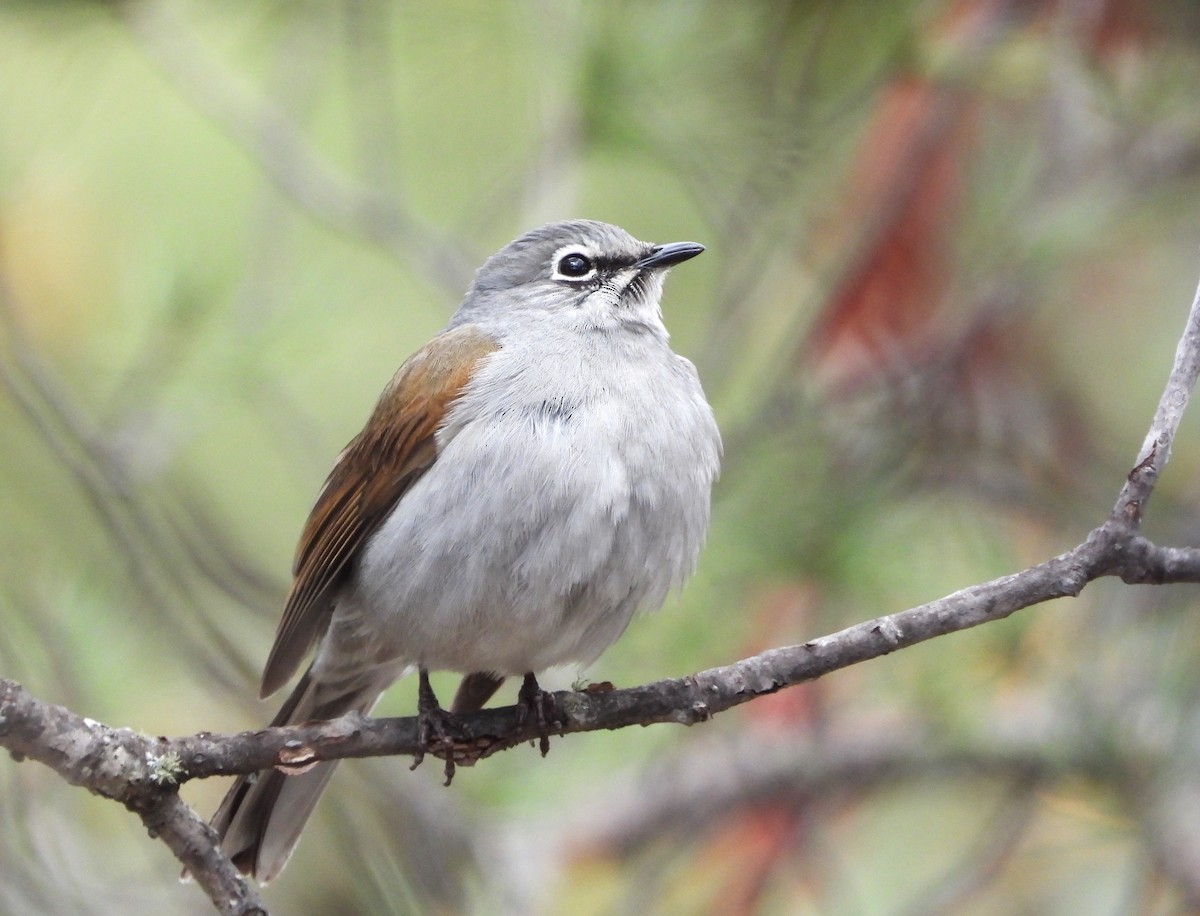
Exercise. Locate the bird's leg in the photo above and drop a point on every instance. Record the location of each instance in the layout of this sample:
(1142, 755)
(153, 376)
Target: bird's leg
(435, 726)
(533, 700)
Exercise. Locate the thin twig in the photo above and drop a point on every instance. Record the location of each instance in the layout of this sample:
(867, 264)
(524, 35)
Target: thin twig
(1156, 449)
(116, 764)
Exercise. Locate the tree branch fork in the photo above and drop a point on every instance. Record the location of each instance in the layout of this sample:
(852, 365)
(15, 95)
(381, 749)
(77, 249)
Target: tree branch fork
(144, 773)
(136, 769)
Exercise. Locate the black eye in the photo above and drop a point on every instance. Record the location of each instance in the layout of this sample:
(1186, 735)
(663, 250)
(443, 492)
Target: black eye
(575, 265)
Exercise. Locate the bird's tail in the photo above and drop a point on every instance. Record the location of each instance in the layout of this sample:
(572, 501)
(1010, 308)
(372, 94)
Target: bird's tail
(261, 817)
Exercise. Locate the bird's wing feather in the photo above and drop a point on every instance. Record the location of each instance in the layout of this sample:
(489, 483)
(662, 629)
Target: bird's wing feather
(372, 473)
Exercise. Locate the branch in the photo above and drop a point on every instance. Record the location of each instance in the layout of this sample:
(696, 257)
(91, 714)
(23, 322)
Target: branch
(144, 773)
(1156, 449)
(698, 697)
(119, 764)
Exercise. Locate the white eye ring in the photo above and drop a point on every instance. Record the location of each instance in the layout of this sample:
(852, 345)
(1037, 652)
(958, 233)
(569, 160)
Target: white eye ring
(573, 264)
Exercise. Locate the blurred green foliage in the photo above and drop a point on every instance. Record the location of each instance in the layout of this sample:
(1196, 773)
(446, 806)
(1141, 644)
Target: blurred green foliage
(223, 225)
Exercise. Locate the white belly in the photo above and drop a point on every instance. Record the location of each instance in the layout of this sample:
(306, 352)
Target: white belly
(545, 523)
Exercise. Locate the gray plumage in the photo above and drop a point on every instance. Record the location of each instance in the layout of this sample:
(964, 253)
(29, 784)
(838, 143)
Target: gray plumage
(564, 487)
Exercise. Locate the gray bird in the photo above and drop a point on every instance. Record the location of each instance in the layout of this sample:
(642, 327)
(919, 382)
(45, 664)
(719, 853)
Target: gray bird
(528, 480)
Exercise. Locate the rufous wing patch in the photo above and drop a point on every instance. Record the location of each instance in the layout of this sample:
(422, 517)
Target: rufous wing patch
(372, 474)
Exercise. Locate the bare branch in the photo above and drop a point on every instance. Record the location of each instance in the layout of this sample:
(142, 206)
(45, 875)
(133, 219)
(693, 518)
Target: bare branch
(143, 773)
(1156, 449)
(198, 847)
(121, 765)
(697, 697)
(687, 700)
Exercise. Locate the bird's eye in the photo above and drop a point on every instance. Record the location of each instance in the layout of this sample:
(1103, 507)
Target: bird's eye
(575, 265)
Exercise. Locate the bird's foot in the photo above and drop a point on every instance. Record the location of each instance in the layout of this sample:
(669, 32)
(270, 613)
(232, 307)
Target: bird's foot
(538, 704)
(437, 729)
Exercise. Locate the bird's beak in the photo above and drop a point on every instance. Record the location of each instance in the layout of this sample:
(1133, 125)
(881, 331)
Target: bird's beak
(661, 256)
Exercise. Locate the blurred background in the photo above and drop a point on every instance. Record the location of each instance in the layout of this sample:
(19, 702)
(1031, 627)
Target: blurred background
(951, 246)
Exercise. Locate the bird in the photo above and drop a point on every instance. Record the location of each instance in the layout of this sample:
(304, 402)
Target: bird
(531, 478)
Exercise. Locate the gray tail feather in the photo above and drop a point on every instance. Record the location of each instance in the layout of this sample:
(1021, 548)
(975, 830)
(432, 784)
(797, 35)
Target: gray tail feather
(261, 817)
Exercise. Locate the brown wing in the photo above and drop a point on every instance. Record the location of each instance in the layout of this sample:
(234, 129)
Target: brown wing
(374, 471)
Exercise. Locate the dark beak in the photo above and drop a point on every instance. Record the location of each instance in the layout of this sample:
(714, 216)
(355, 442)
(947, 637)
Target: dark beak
(662, 256)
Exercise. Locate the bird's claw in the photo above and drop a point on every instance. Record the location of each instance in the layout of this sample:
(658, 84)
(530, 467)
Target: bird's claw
(437, 729)
(540, 705)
